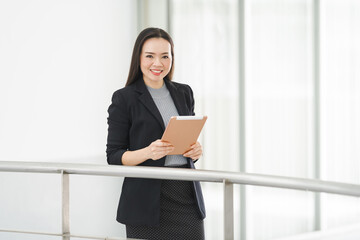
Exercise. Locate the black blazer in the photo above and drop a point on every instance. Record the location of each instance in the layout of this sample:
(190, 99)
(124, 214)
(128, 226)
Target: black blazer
(134, 122)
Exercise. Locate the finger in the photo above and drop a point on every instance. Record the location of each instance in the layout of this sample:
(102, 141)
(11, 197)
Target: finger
(197, 155)
(194, 157)
(198, 149)
(164, 144)
(169, 149)
(165, 150)
(160, 142)
(191, 148)
(189, 154)
(195, 150)
(194, 153)
(193, 145)
(162, 151)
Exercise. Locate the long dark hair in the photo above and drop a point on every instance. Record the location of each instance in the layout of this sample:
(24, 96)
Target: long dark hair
(135, 71)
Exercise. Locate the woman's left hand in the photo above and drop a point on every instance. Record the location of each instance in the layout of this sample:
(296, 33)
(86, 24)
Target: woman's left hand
(195, 151)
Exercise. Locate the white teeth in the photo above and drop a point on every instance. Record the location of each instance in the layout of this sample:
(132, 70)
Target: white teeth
(156, 71)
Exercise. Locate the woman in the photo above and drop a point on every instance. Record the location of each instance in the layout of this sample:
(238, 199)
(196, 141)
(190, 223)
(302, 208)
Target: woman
(138, 115)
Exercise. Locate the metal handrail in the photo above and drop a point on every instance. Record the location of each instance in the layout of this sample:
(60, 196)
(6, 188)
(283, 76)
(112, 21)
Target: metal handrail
(62, 235)
(225, 177)
(313, 185)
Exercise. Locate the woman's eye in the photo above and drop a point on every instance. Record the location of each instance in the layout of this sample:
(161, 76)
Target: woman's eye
(149, 56)
(166, 57)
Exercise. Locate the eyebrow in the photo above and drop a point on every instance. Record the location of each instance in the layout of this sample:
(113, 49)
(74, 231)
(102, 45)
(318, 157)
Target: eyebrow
(154, 53)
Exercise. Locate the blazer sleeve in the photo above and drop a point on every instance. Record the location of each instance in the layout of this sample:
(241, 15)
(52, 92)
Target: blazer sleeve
(118, 129)
(192, 102)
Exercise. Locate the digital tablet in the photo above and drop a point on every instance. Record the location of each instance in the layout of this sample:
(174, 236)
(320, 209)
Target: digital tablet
(183, 131)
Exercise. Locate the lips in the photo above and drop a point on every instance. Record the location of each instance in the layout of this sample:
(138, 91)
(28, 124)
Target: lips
(156, 72)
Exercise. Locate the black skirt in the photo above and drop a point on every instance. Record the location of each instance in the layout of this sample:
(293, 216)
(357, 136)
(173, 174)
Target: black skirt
(179, 215)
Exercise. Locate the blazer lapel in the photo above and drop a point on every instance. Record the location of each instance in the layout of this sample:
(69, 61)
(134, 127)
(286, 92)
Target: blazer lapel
(178, 97)
(146, 99)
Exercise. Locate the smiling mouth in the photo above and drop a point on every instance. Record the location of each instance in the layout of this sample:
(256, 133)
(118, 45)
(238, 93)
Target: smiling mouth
(156, 71)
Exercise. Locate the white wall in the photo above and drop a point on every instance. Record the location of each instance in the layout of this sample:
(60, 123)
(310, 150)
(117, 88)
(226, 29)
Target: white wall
(60, 62)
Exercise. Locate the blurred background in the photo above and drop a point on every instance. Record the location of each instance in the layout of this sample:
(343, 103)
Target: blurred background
(278, 79)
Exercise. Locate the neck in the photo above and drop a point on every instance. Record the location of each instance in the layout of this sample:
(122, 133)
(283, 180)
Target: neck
(155, 85)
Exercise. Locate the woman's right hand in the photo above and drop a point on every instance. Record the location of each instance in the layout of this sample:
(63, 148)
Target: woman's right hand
(159, 149)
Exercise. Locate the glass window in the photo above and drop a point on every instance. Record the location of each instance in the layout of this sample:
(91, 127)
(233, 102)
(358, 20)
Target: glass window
(340, 104)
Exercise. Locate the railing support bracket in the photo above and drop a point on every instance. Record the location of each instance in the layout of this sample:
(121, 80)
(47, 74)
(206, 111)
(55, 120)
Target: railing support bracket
(228, 210)
(65, 193)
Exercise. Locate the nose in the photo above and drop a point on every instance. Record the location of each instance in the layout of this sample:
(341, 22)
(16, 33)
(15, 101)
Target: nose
(157, 62)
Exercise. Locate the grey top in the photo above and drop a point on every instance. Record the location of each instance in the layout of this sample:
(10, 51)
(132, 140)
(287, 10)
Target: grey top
(167, 109)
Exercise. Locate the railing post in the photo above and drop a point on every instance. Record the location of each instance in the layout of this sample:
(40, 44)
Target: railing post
(228, 210)
(65, 205)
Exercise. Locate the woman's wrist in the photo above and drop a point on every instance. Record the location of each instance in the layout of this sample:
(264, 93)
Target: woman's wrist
(133, 158)
(146, 153)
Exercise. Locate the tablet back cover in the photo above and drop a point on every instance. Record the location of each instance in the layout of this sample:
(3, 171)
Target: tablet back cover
(182, 133)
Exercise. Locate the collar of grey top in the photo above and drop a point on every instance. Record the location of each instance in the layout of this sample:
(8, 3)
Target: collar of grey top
(158, 92)
(178, 94)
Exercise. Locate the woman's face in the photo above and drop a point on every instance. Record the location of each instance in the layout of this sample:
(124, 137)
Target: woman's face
(155, 61)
